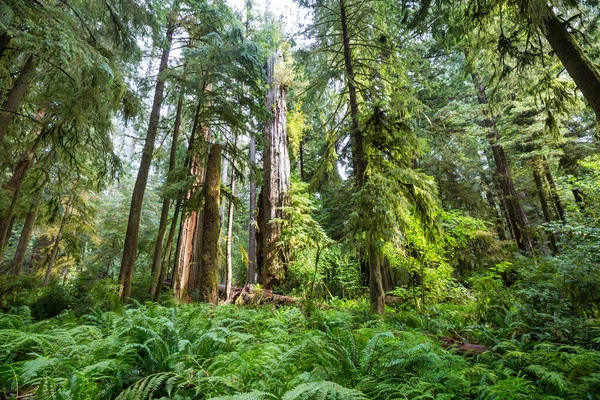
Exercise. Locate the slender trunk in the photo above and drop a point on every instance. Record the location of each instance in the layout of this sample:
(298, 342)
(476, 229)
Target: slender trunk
(276, 180)
(16, 183)
(207, 284)
(301, 161)
(15, 96)
(57, 240)
(377, 295)
(137, 197)
(539, 184)
(167, 256)
(228, 249)
(491, 200)
(11, 224)
(164, 214)
(583, 71)
(516, 213)
(4, 42)
(252, 222)
(560, 209)
(25, 237)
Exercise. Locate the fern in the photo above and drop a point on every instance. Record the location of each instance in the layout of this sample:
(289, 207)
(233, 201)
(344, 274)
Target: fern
(323, 390)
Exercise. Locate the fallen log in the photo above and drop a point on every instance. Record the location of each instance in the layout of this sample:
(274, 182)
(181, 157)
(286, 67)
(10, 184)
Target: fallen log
(462, 347)
(249, 295)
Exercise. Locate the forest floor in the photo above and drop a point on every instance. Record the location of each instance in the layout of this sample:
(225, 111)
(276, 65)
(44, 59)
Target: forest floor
(291, 352)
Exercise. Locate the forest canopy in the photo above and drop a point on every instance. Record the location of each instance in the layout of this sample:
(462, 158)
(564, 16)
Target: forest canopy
(347, 199)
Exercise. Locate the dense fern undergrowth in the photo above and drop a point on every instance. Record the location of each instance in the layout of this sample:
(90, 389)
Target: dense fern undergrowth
(339, 351)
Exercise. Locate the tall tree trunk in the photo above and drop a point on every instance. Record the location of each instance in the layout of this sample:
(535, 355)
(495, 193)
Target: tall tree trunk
(576, 62)
(207, 283)
(167, 256)
(13, 101)
(377, 296)
(164, 214)
(137, 197)
(252, 222)
(57, 240)
(541, 191)
(191, 220)
(516, 213)
(558, 205)
(229, 243)
(25, 237)
(13, 188)
(276, 180)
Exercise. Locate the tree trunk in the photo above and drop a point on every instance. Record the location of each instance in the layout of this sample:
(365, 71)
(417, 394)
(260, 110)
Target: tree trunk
(57, 240)
(13, 101)
(252, 222)
(164, 214)
(516, 213)
(558, 205)
(579, 200)
(491, 200)
(541, 191)
(377, 295)
(191, 220)
(167, 256)
(15, 184)
(576, 62)
(25, 237)
(137, 197)
(276, 180)
(228, 249)
(207, 284)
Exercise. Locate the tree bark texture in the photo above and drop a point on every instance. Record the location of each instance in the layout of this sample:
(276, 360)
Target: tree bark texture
(167, 257)
(25, 237)
(376, 293)
(252, 278)
(276, 180)
(515, 211)
(541, 191)
(207, 284)
(15, 96)
(558, 205)
(57, 239)
(229, 243)
(13, 187)
(164, 214)
(585, 74)
(191, 225)
(135, 212)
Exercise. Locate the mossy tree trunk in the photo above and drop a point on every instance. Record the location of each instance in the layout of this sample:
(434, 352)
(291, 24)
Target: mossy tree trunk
(206, 286)
(15, 96)
(276, 181)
